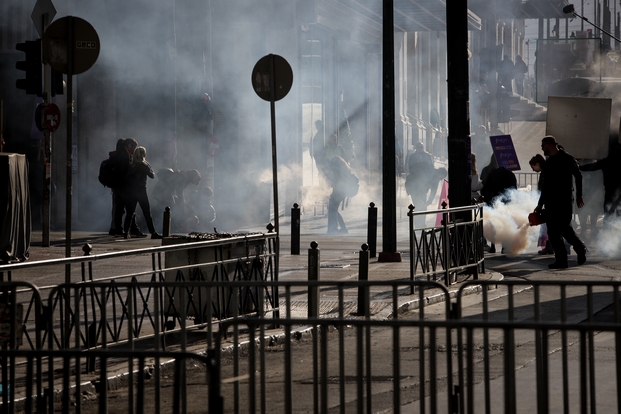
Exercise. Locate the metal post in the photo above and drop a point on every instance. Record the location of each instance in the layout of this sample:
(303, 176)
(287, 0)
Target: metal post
(372, 230)
(445, 246)
(295, 229)
(363, 276)
(313, 275)
(167, 223)
(411, 235)
(389, 186)
(458, 103)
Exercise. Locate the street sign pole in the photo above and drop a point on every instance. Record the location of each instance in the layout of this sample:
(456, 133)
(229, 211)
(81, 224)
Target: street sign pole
(47, 165)
(272, 78)
(274, 161)
(42, 14)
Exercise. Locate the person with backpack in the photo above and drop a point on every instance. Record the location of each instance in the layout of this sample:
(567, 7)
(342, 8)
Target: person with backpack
(138, 172)
(344, 184)
(116, 171)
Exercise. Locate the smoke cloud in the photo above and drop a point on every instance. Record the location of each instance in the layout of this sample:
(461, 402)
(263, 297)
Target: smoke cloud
(507, 224)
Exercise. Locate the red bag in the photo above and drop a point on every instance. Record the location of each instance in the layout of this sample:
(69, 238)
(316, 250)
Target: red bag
(535, 219)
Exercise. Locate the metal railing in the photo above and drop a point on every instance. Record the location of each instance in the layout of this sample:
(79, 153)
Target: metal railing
(456, 245)
(81, 362)
(52, 380)
(250, 258)
(419, 366)
(527, 179)
(511, 351)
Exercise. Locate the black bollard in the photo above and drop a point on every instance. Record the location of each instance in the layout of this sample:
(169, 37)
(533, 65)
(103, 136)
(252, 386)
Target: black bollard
(295, 229)
(372, 230)
(313, 275)
(363, 276)
(167, 223)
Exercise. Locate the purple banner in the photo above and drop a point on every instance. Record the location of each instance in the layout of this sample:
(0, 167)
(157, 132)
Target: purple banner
(503, 148)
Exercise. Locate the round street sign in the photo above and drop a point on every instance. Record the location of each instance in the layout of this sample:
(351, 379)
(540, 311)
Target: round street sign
(283, 77)
(51, 117)
(70, 38)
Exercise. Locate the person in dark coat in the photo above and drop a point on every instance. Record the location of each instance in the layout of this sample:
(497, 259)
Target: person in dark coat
(169, 191)
(559, 172)
(138, 173)
(337, 171)
(496, 185)
(611, 168)
(120, 193)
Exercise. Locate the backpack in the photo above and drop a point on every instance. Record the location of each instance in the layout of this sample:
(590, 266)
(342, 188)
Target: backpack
(108, 172)
(352, 185)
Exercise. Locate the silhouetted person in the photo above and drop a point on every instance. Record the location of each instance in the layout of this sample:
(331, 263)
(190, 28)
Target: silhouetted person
(138, 173)
(121, 191)
(520, 69)
(611, 168)
(333, 149)
(421, 173)
(317, 149)
(337, 171)
(169, 192)
(505, 73)
(498, 181)
(556, 201)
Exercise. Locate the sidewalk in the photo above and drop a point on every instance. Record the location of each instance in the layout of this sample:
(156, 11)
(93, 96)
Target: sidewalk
(339, 260)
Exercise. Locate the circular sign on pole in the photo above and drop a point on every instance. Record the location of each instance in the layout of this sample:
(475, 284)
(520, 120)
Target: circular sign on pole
(283, 77)
(51, 117)
(70, 36)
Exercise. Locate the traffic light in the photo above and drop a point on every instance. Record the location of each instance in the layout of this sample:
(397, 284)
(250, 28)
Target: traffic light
(32, 84)
(505, 113)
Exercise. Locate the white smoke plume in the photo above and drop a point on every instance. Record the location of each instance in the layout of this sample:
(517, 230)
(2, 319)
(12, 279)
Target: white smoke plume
(507, 224)
(608, 240)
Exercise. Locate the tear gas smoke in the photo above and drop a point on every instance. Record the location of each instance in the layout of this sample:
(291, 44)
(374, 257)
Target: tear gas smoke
(608, 240)
(507, 224)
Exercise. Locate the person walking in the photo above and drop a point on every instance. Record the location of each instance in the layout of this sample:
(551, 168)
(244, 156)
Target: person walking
(556, 201)
(611, 169)
(520, 70)
(337, 171)
(139, 170)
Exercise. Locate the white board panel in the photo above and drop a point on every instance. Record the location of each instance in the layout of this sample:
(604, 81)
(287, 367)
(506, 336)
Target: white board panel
(580, 125)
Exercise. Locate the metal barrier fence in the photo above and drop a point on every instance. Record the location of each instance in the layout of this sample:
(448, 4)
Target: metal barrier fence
(527, 179)
(442, 251)
(418, 368)
(250, 258)
(37, 381)
(515, 351)
(52, 381)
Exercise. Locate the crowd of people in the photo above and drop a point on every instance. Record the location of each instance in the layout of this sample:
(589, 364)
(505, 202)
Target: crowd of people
(131, 171)
(560, 184)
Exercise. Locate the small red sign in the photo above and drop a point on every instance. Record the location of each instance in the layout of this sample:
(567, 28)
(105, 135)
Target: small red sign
(213, 146)
(51, 117)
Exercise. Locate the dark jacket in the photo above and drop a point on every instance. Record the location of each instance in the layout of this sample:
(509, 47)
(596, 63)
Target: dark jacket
(557, 185)
(497, 182)
(137, 176)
